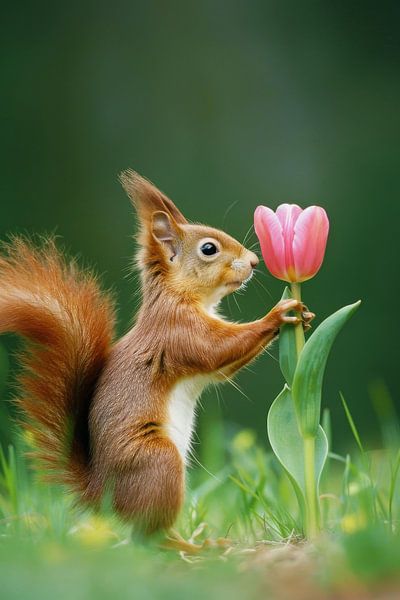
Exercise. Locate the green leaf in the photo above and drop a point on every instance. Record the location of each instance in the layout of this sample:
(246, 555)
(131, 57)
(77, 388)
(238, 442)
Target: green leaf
(287, 443)
(307, 380)
(287, 346)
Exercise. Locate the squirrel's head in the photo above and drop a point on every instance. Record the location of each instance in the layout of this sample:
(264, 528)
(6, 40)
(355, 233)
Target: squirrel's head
(191, 259)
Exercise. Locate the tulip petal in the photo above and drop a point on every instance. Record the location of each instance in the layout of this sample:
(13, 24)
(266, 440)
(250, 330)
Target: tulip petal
(309, 242)
(288, 215)
(269, 231)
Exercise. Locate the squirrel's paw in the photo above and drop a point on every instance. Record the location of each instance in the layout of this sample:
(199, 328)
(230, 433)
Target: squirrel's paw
(279, 313)
(306, 317)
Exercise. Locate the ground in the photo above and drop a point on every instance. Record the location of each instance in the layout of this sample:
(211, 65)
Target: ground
(238, 536)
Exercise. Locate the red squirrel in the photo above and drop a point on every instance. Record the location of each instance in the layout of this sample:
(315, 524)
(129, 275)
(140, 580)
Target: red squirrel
(118, 416)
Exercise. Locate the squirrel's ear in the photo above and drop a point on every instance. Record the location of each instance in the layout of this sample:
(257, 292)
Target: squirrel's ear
(146, 198)
(166, 231)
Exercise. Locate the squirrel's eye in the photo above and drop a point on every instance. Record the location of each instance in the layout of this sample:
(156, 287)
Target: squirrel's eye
(208, 249)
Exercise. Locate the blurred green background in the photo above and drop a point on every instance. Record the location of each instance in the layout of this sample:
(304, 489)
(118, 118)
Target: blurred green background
(223, 105)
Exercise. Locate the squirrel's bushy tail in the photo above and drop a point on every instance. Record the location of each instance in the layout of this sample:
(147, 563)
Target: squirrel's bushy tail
(68, 326)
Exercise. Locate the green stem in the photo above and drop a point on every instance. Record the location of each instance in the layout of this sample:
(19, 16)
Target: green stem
(312, 508)
(299, 332)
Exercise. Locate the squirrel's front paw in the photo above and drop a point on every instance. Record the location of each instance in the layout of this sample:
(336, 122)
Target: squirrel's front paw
(280, 317)
(306, 317)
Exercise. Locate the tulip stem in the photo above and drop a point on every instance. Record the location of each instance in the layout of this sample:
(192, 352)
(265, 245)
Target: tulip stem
(312, 507)
(299, 332)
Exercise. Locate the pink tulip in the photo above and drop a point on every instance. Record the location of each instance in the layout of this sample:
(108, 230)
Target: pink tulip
(293, 240)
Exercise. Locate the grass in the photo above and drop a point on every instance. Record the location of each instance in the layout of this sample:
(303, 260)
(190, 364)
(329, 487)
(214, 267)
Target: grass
(238, 535)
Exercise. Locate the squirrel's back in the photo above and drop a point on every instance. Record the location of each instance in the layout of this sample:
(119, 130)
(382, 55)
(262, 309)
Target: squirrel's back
(67, 323)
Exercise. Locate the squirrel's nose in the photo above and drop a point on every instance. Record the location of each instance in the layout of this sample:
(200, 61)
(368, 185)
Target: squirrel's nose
(254, 260)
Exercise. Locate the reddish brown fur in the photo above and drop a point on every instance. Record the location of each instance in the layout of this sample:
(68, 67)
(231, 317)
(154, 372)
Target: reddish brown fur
(98, 412)
(68, 324)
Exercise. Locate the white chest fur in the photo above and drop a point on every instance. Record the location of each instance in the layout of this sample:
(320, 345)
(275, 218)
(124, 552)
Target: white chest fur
(181, 411)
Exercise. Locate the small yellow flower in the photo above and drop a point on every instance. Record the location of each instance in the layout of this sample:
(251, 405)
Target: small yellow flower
(94, 532)
(244, 440)
(353, 522)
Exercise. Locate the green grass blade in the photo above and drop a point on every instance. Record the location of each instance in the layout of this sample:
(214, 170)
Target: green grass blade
(393, 481)
(352, 424)
(385, 410)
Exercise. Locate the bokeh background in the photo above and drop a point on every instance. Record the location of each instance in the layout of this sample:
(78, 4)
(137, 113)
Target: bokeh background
(224, 105)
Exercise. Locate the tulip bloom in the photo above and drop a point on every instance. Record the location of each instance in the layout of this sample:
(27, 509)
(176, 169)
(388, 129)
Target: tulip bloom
(293, 240)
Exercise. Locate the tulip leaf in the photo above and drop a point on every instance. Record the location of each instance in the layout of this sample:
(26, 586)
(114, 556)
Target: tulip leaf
(287, 346)
(288, 445)
(308, 377)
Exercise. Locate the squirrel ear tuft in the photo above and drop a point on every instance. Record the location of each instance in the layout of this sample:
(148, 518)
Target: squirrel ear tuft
(165, 230)
(146, 198)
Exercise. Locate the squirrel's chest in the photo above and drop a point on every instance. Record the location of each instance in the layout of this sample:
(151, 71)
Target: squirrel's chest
(181, 411)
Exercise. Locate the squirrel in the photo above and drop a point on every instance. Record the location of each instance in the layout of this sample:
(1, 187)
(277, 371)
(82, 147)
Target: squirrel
(117, 416)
